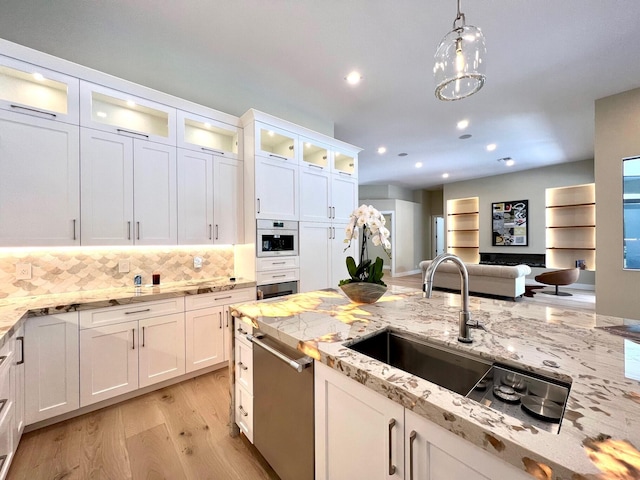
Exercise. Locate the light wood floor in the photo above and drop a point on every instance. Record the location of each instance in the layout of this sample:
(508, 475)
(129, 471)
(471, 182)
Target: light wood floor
(583, 300)
(176, 433)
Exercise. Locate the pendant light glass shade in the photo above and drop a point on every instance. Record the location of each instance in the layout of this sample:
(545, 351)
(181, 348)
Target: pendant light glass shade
(459, 62)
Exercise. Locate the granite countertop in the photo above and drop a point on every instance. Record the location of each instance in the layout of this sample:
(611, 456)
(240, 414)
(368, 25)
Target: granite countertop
(600, 432)
(13, 311)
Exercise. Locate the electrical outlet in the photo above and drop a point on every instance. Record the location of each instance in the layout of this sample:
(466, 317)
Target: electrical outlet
(197, 262)
(23, 271)
(123, 266)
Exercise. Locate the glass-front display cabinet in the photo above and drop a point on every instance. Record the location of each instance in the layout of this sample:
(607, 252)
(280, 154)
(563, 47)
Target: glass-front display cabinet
(631, 212)
(207, 135)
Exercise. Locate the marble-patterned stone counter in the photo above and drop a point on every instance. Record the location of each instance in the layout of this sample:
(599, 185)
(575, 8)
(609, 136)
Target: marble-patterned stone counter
(600, 434)
(13, 311)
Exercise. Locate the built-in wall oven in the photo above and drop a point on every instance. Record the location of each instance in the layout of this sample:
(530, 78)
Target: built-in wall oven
(276, 238)
(277, 289)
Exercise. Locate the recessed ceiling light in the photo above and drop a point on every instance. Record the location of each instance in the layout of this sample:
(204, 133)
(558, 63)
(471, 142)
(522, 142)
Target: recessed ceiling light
(353, 78)
(491, 147)
(382, 150)
(465, 136)
(38, 76)
(445, 175)
(462, 124)
(418, 164)
(403, 154)
(510, 162)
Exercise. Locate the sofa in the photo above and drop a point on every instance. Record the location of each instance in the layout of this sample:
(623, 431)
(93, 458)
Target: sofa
(502, 280)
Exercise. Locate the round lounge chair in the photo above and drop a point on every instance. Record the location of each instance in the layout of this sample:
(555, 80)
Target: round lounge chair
(557, 278)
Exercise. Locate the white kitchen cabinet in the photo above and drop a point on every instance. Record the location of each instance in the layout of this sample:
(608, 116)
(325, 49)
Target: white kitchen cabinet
(344, 162)
(344, 197)
(8, 440)
(33, 90)
(322, 255)
(276, 143)
(39, 182)
(128, 191)
(206, 135)
(161, 349)
(277, 189)
(243, 409)
(315, 194)
(108, 361)
(18, 369)
(51, 366)
(358, 433)
(123, 114)
(210, 202)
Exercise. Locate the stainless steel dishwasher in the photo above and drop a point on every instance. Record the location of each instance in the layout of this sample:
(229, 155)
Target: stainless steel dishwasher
(283, 407)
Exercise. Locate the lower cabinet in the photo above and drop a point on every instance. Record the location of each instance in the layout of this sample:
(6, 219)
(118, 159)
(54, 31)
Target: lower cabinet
(362, 434)
(243, 363)
(51, 366)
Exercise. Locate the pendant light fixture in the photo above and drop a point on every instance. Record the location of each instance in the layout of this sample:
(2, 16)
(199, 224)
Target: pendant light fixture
(459, 61)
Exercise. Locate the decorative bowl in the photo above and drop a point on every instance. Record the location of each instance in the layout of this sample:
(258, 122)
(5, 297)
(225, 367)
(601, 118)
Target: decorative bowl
(363, 292)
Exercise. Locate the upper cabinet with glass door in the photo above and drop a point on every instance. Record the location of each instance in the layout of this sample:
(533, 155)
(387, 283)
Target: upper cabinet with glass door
(117, 112)
(206, 135)
(344, 163)
(32, 90)
(314, 154)
(276, 143)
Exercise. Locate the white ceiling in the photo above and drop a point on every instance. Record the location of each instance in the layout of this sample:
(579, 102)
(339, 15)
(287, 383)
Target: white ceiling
(547, 61)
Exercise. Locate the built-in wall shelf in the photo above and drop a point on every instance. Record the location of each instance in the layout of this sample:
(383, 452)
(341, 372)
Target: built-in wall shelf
(571, 226)
(463, 228)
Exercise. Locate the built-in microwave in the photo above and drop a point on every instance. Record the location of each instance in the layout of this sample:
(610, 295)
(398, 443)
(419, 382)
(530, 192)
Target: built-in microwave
(276, 238)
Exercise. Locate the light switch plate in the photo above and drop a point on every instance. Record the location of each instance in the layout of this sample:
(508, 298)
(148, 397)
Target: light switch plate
(23, 271)
(197, 262)
(123, 266)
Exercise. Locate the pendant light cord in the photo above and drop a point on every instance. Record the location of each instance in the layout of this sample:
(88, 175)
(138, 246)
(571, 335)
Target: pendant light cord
(460, 16)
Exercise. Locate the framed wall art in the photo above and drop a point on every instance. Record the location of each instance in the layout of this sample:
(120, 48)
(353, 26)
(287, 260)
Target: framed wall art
(509, 223)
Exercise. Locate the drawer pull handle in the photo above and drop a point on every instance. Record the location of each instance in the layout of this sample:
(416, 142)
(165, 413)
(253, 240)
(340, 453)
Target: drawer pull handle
(223, 298)
(412, 438)
(133, 343)
(243, 366)
(392, 467)
(244, 414)
(212, 151)
(53, 115)
(278, 156)
(122, 130)
(143, 336)
(3, 403)
(21, 338)
(2, 359)
(220, 319)
(227, 316)
(278, 263)
(241, 331)
(277, 276)
(138, 311)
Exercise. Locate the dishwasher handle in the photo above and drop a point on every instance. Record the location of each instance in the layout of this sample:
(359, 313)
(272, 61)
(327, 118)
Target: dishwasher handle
(298, 365)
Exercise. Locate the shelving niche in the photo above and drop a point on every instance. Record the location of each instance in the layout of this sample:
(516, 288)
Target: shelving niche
(463, 228)
(571, 226)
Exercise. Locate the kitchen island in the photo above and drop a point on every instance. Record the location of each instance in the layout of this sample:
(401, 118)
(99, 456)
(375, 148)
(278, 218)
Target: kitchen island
(600, 431)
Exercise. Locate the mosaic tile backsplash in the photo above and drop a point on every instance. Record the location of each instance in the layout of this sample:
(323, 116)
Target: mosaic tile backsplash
(72, 269)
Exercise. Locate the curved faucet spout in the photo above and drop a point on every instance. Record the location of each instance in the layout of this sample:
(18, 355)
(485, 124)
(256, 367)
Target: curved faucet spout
(464, 333)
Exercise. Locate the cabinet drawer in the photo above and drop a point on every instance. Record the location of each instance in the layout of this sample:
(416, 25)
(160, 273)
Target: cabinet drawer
(277, 276)
(244, 366)
(216, 299)
(6, 441)
(112, 315)
(6, 402)
(244, 412)
(282, 263)
(240, 330)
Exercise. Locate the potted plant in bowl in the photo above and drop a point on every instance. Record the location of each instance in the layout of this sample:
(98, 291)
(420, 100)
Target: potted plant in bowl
(365, 284)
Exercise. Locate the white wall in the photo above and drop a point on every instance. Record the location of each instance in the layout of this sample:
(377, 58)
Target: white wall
(617, 136)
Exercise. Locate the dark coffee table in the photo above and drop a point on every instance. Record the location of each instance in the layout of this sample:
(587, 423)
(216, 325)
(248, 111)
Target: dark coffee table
(530, 290)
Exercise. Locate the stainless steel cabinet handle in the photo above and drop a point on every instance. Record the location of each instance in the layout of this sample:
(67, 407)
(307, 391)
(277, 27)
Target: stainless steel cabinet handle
(243, 366)
(74, 228)
(244, 414)
(329, 212)
(344, 173)
(412, 438)
(122, 130)
(241, 331)
(21, 338)
(227, 316)
(329, 228)
(223, 298)
(137, 230)
(138, 311)
(316, 166)
(220, 319)
(278, 276)
(210, 232)
(258, 204)
(334, 212)
(216, 231)
(143, 336)
(133, 343)
(297, 365)
(278, 156)
(278, 263)
(392, 467)
(212, 151)
(128, 230)
(19, 107)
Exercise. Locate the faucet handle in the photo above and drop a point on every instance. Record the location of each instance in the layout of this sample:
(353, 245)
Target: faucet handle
(475, 324)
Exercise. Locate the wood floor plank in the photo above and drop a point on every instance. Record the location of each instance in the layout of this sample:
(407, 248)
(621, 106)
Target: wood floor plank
(153, 456)
(140, 414)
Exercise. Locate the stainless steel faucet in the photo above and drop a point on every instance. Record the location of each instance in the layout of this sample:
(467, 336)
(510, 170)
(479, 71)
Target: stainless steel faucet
(464, 333)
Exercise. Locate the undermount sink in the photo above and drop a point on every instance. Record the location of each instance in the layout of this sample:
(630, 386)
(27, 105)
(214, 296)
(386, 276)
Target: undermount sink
(450, 369)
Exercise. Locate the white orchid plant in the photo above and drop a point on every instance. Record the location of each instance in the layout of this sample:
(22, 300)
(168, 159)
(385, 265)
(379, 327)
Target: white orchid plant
(372, 223)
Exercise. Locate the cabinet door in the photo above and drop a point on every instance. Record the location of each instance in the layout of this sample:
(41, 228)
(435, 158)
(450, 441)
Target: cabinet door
(39, 182)
(276, 143)
(206, 135)
(276, 189)
(19, 385)
(106, 188)
(437, 454)
(162, 348)
(315, 255)
(358, 433)
(108, 361)
(204, 330)
(154, 194)
(344, 197)
(195, 198)
(315, 193)
(339, 253)
(51, 366)
(228, 205)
